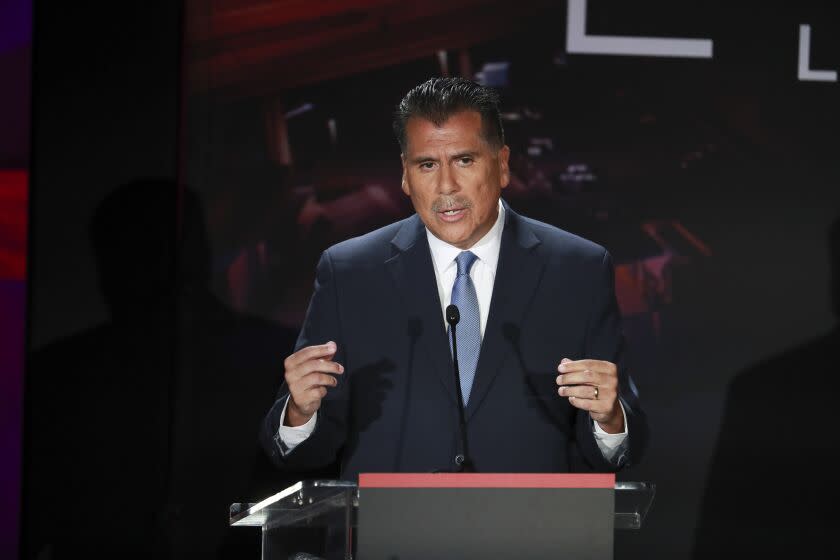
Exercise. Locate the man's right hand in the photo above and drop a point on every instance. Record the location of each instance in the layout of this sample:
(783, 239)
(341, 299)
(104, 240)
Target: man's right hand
(309, 372)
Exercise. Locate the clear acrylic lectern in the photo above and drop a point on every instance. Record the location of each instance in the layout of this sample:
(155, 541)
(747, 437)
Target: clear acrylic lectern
(412, 516)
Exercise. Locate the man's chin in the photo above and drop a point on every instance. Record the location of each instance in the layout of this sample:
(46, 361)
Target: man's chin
(460, 240)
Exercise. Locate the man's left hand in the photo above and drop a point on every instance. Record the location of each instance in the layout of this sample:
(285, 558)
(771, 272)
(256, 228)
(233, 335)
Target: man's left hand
(592, 385)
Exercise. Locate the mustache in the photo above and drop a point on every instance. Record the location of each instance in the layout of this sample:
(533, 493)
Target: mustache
(445, 203)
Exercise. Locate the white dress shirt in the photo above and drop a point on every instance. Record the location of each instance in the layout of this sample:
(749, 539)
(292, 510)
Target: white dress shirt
(483, 275)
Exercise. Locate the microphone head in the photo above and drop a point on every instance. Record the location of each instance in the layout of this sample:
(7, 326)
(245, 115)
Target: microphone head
(452, 315)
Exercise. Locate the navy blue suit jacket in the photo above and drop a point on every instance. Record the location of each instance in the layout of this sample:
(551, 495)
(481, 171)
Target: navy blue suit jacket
(394, 408)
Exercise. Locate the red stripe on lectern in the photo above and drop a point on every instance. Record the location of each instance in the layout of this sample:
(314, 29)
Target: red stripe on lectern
(475, 480)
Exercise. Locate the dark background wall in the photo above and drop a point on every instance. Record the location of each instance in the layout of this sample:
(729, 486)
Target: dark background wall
(156, 330)
(105, 98)
(143, 392)
(105, 95)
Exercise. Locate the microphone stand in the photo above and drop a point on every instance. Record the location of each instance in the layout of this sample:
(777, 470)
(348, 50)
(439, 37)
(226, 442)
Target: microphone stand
(463, 462)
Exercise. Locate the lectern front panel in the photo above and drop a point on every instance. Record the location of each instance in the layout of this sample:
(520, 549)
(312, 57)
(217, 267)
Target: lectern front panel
(485, 516)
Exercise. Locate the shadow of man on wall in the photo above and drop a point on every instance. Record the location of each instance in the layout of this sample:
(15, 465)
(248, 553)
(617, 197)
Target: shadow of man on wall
(772, 490)
(141, 431)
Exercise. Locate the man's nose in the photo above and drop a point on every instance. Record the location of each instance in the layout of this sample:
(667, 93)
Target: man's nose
(447, 180)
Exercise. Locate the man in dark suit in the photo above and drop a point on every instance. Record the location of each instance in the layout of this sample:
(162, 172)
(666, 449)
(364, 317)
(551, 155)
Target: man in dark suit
(542, 372)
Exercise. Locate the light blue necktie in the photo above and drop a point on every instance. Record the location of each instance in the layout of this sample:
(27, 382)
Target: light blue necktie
(469, 327)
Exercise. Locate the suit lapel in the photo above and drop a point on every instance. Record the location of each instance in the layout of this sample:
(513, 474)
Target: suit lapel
(518, 274)
(413, 274)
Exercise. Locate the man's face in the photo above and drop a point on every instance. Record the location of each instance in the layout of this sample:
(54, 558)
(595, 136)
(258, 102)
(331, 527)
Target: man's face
(454, 178)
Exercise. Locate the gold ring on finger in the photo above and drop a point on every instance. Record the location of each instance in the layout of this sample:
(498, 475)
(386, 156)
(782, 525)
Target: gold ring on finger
(596, 392)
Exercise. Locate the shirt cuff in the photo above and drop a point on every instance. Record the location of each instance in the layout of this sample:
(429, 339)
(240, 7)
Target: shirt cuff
(292, 436)
(610, 444)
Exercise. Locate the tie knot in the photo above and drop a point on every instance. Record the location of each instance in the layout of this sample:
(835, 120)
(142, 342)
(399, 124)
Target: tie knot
(465, 261)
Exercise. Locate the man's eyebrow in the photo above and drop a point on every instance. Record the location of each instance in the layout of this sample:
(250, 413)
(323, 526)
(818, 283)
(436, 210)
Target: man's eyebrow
(421, 159)
(468, 153)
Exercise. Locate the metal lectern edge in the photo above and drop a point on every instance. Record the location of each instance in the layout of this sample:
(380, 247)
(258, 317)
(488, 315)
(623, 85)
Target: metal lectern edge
(254, 508)
(254, 516)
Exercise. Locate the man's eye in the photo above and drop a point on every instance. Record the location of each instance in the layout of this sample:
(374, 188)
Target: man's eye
(465, 160)
(427, 165)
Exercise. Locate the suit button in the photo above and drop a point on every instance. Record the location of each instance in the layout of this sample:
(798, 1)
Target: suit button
(459, 460)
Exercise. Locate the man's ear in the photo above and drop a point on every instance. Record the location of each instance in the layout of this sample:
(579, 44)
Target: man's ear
(504, 166)
(405, 187)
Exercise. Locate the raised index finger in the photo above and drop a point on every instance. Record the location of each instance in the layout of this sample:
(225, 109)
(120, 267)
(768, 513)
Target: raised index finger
(310, 353)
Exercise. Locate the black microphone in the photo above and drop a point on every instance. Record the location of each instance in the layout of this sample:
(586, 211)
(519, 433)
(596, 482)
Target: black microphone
(462, 461)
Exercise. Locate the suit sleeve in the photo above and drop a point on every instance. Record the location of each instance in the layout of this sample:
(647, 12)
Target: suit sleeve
(322, 324)
(605, 341)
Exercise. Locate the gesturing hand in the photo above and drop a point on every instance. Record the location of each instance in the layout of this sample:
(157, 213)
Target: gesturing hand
(593, 385)
(309, 372)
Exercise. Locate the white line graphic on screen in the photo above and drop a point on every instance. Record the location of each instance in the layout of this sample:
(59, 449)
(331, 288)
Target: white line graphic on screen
(577, 41)
(805, 73)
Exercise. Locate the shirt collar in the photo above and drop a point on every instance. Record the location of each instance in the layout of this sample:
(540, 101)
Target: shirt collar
(486, 249)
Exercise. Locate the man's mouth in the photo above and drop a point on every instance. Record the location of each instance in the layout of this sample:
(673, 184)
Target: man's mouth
(452, 214)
